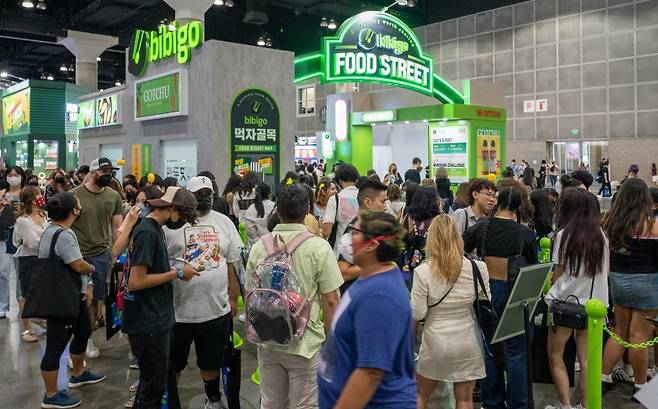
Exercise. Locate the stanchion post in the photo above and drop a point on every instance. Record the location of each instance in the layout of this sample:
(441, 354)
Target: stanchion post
(596, 311)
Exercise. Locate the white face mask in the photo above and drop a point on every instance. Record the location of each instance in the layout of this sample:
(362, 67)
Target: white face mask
(345, 248)
(14, 181)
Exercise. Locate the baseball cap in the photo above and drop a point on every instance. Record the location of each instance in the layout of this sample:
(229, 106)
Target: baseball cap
(101, 163)
(175, 196)
(199, 182)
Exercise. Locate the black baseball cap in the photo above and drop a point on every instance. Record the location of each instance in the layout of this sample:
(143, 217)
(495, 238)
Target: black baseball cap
(101, 163)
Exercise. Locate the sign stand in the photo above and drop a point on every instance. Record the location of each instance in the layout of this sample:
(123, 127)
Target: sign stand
(520, 308)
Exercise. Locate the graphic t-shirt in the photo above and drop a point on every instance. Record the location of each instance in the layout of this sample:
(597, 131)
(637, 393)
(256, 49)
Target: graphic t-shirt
(149, 311)
(348, 209)
(94, 226)
(360, 338)
(212, 243)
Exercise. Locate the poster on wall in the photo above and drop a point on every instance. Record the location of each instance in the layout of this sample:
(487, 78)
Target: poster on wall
(86, 114)
(161, 97)
(107, 110)
(255, 132)
(181, 169)
(488, 152)
(141, 159)
(16, 113)
(449, 150)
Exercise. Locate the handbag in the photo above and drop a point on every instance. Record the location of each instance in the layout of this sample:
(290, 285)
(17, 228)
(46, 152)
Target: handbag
(570, 314)
(54, 290)
(114, 301)
(484, 310)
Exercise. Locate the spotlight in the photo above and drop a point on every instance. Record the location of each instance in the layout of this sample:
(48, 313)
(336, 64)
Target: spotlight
(411, 3)
(219, 2)
(41, 5)
(63, 68)
(268, 43)
(403, 2)
(229, 3)
(98, 59)
(4, 74)
(323, 22)
(332, 24)
(28, 4)
(50, 77)
(118, 83)
(261, 41)
(71, 69)
(171, 27)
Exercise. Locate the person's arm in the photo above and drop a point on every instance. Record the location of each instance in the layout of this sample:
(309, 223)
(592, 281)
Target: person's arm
(116, 225)
(329, 302)
(250, 217)
(19, 232)
(349, 271)
(81, 267)
(360, 388)
(419, 294)
(233, 289)
(140, 279)
(329, 217)
(123, 237)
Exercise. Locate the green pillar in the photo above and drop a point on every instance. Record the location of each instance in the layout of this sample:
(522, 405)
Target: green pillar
(596, 312)
(343, 151)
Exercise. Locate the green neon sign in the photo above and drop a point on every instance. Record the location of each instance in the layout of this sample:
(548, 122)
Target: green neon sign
(162, 44)
(377, 116)
(376, 47)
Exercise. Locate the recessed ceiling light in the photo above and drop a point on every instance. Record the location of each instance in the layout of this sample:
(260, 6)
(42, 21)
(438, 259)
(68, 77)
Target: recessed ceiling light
(41, 5)
(98, 59)
(261, 41)
(4, 74)
(323, 22)
(229, 3)
(118, 83)
(332, 24)
(219, 2)
(411, 3)
(63, 68)
(28, 4)
(50, 77)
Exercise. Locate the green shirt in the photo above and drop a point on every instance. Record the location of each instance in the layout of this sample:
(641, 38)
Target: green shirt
(315, 266)
(94, 226)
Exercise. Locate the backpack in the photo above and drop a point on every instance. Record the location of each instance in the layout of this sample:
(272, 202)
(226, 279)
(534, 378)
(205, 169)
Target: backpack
(277, 309)
(414, 252)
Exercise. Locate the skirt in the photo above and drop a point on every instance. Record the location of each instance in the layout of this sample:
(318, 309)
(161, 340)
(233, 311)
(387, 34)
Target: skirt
(635, 290)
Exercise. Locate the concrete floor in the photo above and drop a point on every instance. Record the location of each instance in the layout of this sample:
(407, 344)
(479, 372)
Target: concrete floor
(23, 387)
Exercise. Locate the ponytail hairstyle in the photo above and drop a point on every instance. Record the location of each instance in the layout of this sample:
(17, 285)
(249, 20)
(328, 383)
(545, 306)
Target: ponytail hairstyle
(263, 192)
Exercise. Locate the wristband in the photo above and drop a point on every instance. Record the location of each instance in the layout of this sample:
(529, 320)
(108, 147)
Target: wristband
(179, 273)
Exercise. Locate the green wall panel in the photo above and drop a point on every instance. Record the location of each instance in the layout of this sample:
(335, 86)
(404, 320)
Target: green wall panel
(48, 111)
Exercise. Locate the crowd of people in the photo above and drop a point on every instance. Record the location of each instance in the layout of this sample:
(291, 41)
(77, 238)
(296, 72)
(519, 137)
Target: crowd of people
(323, 257)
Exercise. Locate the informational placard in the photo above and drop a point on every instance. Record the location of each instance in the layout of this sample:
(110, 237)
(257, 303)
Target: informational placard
(241, 166)
(141, 159)
(488, 151)
(181, 169)
(161, 97)
(529, 106)
(16, 113)
(449, 150)
(255, 122)
(107, 110)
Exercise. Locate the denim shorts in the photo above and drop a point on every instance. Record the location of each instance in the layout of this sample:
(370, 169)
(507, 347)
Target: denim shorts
(102, 264)
(635, 290)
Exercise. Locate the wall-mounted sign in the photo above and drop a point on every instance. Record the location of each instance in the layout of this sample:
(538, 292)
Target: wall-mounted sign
(16, 113)
(181, 169)
(254, 122)
(449, 150)
(376, 47)
(161, 97)
(378, 116)
(541, 105)
(529, 106)
(107, 110)
(141, 159)
(87, 114)
(159, 45)
(535, 105)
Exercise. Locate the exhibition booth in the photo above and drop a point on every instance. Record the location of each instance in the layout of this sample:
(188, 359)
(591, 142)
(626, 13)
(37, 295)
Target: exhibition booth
(39, 125)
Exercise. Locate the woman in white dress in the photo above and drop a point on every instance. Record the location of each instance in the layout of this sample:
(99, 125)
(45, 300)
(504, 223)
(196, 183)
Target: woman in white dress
(443, 294)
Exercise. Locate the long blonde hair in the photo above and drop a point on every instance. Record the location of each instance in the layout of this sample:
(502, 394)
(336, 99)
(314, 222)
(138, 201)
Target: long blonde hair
(445, 249)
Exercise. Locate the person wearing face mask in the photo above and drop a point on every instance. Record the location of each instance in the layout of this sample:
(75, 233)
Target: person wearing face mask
(29, 227)
(9, 202)
(205, 306)
(96, 229)
(148, 313)
(372, 196)
(368, 359)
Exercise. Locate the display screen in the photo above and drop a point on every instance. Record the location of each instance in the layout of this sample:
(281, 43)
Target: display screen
(86, 114)
(449, 150)
(16, 113)
(107, 110)
(158, 97)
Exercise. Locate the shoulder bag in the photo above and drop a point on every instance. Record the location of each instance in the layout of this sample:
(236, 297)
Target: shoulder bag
(484, 310)
(570, 314)
(54, 290)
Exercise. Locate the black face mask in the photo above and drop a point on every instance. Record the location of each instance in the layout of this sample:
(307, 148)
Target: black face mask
(175, 225)
(203, 204)
(104, 180)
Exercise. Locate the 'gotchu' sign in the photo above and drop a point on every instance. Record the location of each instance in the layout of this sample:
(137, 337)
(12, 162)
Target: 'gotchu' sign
(377, 47)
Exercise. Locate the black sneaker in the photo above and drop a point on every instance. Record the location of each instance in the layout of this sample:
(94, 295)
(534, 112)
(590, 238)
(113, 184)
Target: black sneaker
(607, 387)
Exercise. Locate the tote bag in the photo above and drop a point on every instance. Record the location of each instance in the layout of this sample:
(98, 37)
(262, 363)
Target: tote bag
(54, 290)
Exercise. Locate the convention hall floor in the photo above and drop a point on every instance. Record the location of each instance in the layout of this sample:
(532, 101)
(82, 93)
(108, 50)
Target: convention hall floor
(22, 386)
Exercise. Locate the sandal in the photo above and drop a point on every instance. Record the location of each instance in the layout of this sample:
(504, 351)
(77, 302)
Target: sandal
(134, 386)
(29, 336)
(130, 403)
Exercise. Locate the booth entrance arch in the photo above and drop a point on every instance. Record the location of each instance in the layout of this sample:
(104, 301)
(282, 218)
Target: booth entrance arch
(376, 47)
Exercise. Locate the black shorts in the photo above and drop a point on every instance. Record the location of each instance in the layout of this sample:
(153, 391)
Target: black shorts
(25, 265)
(209, 339)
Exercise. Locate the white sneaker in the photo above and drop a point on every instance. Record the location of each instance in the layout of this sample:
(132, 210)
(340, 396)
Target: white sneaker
(242, 317)
(620, 376)
(92, 351)
(559, 406)
(214, 405)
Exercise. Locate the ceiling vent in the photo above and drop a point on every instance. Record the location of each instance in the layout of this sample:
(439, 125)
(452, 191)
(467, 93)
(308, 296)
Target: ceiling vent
(256, 13)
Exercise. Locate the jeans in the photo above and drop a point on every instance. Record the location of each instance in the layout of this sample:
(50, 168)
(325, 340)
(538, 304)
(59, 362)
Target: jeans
(553, 180)
(156, 370)
(102, 264)
(6, 268)
(494, 392)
